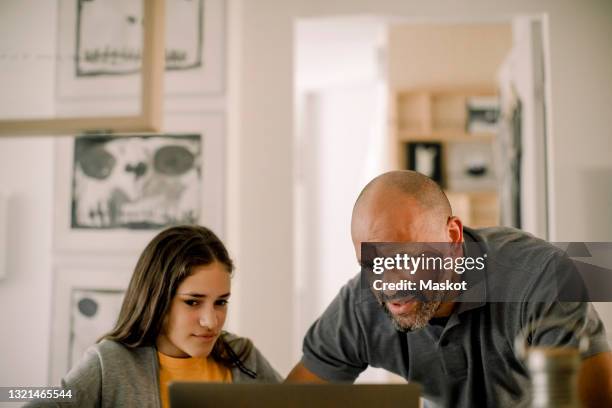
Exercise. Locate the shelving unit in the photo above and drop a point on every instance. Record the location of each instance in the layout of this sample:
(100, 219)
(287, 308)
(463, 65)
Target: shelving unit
(440, 116)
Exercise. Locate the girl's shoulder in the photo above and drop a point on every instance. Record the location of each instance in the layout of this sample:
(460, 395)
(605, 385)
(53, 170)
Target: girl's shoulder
(114, 347)
(112, 374)
(118, 354)
(254, 366)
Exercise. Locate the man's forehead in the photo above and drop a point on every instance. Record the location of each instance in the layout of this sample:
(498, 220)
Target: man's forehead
(389, 216)
(382, 193)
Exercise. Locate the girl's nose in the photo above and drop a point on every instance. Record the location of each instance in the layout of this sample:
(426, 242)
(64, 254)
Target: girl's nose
(208, 318)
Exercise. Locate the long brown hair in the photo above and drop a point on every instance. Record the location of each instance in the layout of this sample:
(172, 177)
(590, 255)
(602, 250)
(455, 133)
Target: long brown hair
(165, 262)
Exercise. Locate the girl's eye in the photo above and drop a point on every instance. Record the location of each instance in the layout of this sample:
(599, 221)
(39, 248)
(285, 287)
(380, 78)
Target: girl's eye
(221, 302)
(191, 302)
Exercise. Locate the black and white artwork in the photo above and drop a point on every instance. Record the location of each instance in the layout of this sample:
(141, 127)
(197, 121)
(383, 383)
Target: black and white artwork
(86, 305)
(471, 167)
(109, 36)
(93, 313)
(483, 114)
(426, 158)
(100, 52)
(136, 182)
(113, 193)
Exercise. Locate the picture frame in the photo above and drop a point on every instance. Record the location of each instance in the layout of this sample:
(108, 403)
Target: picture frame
(483, 113)
(70, 238)
(471, 167)
(96, 64)
(425, 158)
(140, 114)
(86, 304)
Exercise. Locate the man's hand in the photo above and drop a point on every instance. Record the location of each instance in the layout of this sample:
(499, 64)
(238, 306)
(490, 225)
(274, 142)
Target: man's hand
(301, 374)
(595, 381)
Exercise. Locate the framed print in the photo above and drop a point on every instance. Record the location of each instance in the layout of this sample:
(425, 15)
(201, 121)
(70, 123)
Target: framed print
(115, 192)
(101, 40)
(483, 114)
(86, 304)
(135, 182)
(426, 158)
(470, 167)
(142, 113)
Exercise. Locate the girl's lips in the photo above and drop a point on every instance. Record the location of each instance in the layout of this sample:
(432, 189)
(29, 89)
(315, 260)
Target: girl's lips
(205, 337)
(401, 307)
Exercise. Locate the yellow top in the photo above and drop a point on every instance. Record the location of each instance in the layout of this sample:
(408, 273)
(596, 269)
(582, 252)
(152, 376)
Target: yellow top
(189, 369)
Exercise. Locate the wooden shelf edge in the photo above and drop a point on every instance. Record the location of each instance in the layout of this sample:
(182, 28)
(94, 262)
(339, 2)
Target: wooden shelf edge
(467, 90)
(444, 136)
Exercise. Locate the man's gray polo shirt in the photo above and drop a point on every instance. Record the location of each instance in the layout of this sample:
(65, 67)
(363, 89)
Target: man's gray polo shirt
(467, 360)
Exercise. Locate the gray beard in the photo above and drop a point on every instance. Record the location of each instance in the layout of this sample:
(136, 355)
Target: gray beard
(420, 318)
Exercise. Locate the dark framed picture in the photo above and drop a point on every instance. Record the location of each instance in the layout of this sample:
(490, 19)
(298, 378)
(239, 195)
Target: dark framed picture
(426, 158)
(482, 114)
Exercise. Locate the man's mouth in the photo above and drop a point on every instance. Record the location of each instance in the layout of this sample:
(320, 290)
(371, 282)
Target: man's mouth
(402, 306)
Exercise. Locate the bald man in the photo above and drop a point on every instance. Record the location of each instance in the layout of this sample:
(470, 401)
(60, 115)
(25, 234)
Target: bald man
(462, 353)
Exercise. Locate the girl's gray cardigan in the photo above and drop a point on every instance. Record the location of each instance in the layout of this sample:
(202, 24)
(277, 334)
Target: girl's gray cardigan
(112, 375)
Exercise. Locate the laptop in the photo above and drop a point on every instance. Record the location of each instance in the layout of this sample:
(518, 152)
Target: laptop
(199, 394)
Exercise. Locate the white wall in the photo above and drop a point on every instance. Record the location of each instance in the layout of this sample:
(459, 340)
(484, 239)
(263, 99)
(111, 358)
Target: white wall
(25, 295)
(26, 176)
(331, 52)
(581, 81)
(27, 68)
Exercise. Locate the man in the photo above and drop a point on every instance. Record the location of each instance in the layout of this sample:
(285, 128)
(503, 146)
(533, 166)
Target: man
(462, 353)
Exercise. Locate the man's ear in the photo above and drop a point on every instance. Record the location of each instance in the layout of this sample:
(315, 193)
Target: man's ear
(454, 229)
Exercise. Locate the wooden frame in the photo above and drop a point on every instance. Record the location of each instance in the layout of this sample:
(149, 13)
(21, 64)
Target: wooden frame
(150, 118)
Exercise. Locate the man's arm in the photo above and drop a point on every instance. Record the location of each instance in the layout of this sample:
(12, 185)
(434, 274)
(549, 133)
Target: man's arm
(595, 381)
(334, 349)
(300, 374)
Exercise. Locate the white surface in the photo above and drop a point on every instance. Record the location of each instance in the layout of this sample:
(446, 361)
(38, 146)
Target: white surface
(25, 292)
(3, 233)
(27, 63)
(26, 171)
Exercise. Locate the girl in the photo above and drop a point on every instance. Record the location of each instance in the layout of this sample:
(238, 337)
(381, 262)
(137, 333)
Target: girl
(169, 328)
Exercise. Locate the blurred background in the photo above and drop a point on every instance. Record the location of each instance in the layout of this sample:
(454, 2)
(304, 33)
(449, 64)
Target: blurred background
(275, 114)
